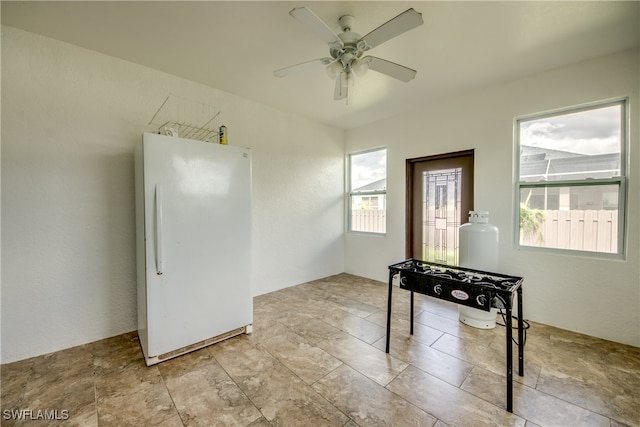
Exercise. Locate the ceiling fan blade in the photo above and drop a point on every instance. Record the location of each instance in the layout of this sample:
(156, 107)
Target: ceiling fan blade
(404, 22)
(341, 87)
(282, 72)
(389, 68)
(315, 24)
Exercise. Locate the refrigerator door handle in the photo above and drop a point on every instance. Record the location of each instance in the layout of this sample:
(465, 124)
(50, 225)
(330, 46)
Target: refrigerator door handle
(159, 252)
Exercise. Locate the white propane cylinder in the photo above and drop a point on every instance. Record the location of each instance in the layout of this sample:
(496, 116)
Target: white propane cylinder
(478, 249)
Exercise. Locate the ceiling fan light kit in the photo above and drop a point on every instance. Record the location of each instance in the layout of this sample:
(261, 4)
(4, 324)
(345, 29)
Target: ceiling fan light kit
(347, 49)
(360, 66)
(334, 69)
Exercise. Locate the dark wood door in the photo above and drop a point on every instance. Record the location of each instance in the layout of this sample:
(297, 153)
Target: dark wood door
(439, 198)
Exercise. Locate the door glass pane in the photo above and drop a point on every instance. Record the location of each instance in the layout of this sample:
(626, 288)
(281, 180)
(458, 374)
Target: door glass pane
(441, 215)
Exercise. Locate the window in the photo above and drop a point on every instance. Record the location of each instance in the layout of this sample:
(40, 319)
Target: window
(368, 191)
(571, 179)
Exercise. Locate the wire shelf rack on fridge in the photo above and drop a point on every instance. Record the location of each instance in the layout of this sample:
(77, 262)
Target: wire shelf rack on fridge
(185, 118)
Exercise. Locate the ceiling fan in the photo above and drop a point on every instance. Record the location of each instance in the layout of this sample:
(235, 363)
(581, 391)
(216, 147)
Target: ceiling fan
(346, 49)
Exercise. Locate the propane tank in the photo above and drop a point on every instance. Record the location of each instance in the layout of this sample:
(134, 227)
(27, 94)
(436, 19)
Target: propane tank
(478, 249)
(223, 135)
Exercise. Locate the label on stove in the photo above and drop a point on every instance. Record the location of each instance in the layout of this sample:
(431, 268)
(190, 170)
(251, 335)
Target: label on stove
(458, 294)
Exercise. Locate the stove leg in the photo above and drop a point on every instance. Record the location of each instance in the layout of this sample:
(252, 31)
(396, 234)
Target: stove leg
(520, 334)
(411, 328)
(389, 311)
(509, 357)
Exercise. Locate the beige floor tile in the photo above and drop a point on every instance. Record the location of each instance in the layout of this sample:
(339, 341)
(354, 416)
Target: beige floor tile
(354, 325)
(307, 361)
(607, 390)
(58, 387)
(364, 358)
(450, 404)
(353, 306)
(435, 362)
(454, 327)
(204, 394)
(491, 356)
(367, 402)
(282, 397)
(401, 329)
(531, 404)
(465, 349)
(309, 327)
(116, 354)
(135, 396)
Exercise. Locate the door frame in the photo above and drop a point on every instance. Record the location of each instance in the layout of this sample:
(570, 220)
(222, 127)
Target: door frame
(410, 167)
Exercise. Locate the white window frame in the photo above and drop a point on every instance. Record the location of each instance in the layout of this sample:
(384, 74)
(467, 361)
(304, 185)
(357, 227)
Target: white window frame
(351, 194)
(620, 181)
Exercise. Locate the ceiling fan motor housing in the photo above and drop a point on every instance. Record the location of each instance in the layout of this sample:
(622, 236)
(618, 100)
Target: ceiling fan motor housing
(352, 46)
(346, 22)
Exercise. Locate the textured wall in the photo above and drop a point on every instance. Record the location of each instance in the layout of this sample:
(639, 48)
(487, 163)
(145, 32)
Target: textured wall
(70, 120)
(592, 296)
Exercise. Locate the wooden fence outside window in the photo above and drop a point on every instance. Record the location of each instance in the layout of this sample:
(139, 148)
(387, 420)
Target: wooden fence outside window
(581, 230)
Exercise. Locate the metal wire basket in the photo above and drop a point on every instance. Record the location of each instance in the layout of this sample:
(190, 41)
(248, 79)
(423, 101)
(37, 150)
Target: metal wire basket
(185, 118)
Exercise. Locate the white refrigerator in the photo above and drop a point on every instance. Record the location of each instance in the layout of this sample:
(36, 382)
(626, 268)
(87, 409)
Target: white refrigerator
(193, 244)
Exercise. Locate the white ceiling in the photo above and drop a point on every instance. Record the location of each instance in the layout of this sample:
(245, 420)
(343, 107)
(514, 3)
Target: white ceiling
(236, 45)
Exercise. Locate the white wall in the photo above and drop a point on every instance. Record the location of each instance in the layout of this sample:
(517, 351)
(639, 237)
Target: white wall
(70, 120)
(596, 297)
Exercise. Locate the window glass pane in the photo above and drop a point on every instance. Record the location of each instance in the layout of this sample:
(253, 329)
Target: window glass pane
(368, 184)
(583, 218)
(574, 146)
(369, 171)
(368, 213)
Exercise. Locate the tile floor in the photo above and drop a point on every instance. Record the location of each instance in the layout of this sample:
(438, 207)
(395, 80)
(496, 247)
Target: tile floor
(316, 358)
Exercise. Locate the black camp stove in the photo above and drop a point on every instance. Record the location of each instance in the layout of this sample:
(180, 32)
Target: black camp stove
(473, 288)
